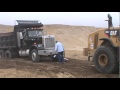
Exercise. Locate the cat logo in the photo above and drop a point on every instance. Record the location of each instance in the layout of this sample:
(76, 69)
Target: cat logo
(113, 33)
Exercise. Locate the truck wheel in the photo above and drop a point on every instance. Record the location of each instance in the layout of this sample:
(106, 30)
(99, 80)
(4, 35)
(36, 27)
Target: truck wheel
(34, 56)
(8, 54)
(2, 54)
(105, 60)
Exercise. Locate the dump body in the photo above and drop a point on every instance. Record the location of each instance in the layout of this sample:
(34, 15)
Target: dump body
(7, 40)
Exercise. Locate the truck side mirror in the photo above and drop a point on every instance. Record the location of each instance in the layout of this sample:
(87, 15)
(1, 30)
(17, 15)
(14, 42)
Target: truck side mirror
(21, 35)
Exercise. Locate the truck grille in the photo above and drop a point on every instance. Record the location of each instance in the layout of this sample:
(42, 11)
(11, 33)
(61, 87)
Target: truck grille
(49, 42)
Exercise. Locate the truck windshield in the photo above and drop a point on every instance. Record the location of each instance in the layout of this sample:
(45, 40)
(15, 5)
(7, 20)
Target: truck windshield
(35, 33)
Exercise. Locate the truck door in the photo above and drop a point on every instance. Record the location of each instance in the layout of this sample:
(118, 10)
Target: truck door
(19, 38)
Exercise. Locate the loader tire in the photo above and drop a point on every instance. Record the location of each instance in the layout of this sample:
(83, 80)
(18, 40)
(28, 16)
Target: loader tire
(105, 60)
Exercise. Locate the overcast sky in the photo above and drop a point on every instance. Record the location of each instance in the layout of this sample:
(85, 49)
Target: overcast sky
(68, 18)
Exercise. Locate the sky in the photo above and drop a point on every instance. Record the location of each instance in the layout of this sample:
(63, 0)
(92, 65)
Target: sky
(67, 18)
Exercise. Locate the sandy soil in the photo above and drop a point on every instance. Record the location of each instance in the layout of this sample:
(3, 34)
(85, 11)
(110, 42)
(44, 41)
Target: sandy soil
(21, 68)
(78, 67)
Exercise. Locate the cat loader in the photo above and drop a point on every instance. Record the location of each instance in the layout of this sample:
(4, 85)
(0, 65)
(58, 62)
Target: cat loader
(104, 48)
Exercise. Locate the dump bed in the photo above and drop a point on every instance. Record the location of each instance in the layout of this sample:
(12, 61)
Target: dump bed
(7, 40)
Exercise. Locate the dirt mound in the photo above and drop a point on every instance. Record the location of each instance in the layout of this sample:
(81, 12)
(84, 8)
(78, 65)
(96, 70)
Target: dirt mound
(5, 28)
(73, 37)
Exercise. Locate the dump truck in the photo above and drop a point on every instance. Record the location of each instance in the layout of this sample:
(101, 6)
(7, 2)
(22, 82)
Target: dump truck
(103, 48)
(27, 39)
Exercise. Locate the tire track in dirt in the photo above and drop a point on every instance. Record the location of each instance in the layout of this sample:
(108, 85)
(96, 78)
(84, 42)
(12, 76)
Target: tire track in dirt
(48, 69)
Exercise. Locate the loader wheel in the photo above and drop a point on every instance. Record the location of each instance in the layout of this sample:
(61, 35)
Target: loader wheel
(105, 60)
(34, 56)
(8, 54)
(2, 54)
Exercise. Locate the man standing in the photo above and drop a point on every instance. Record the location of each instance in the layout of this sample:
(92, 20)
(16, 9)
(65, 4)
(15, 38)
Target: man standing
(60, 50)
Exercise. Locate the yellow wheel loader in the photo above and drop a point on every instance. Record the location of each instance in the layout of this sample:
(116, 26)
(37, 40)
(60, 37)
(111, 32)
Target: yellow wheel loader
(103, 48)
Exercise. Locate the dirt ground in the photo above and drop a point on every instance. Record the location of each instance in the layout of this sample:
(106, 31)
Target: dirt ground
(73, 68)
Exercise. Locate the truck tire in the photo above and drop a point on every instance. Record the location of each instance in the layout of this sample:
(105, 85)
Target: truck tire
(8, 54)
(105, 60)
(34, 56)
(2, 53)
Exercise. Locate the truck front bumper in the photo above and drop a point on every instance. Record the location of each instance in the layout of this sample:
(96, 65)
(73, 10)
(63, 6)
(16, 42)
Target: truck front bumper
(46, 52)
